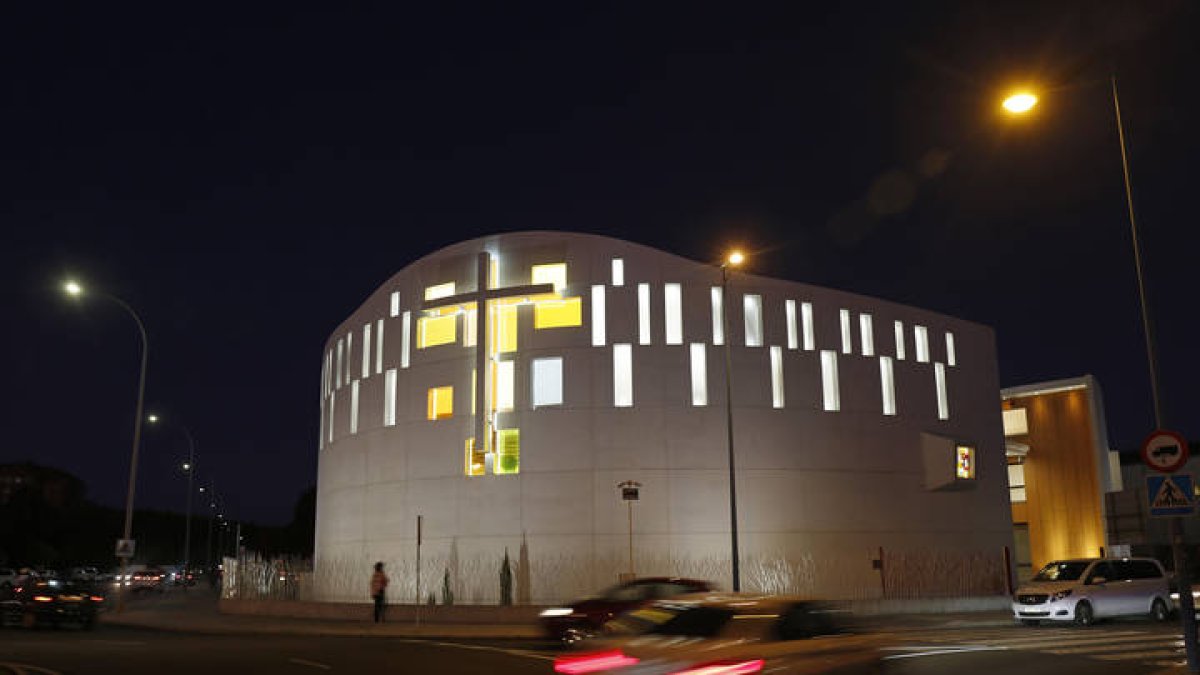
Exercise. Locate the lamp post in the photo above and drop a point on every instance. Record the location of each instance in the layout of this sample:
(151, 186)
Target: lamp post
(1021, 103)
(733, 259)
(75, 290)
(189, 467)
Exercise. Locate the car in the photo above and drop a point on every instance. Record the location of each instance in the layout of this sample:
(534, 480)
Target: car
(50, 602)
(86, 574)
(1087, 589)
(147, 579)
(7, 577)
(729, 633)
(584, 618)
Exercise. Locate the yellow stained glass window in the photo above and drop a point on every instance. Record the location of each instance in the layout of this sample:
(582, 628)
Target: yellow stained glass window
(436, 330)
(441, 403)
(965, 468)
(558, 313)
(555, 273)
(474, 460)
(508, 451)
(440, 291)
(505, 333)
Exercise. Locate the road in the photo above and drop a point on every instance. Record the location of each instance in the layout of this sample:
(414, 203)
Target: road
(1126, 648)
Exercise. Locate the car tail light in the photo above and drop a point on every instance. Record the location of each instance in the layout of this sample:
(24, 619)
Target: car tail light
(97, 598)
(593, 662)
(723, 668)
(43, 598)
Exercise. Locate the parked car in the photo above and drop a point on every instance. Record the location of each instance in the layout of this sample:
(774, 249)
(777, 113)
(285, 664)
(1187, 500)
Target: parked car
(49, 602)
(729, 633)
(147, 579)
(86, 574)
(1085, 590)
(7, 576)
(584, 618)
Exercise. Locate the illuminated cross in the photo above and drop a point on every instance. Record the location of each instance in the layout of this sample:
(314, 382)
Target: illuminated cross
(479, 299)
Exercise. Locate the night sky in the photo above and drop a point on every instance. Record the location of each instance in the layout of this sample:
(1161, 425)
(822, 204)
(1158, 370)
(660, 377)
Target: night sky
(246, 178)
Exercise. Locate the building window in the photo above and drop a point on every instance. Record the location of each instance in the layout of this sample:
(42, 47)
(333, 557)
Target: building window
(618, 272)
(939, 373)
(887, 381)
(699, 374)
(1015, 422)
(555, 274)
(866, 330)
(789, 310)
(436, 330)
(439, 291)
(379, 346)
(395, 308)
(441, 403)
(847, 337)
(354, 407)
(776, 377)
(1016, 483)
(505, 335)
(330, 417)
(921, 338)
(964, 467)
(547, 376)
(328, 375)
(673, 309)
(366, 359)
(470, 328)
(643, 314)
(476, 462)
(406, 331)
(565, 313)
(899, 330)
(508, 451)
(504, 385)
(951, 359)
(340, 347)
(389, 398)
(622, 375)
(752, 305)
(349, 354)
(806, 323)
(598, 328)
(718, 324)
(830, 397)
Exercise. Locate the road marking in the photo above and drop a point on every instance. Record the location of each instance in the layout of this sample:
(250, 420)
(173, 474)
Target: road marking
(310, 664)
(484, 648)
(1138, 655)
(118, 643)
(25, 669)
(1114, 646)
(939, 652)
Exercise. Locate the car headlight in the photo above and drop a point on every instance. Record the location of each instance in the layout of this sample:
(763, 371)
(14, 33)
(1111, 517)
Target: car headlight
(1061, 594)
(556, 611)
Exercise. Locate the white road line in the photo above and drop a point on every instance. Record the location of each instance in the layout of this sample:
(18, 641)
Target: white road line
(310, 664)
(1114, 645)
(1138, 655)
(118, 643)
(25, 668)
(486, 648)
(940, 652)
(1060, 642)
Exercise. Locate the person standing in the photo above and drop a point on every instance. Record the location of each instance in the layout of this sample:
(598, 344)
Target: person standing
(379, 582)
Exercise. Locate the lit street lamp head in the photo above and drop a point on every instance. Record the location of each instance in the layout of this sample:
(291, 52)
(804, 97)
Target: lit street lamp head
(71, 287)
(735, 258)
(152, 418)
(1020, 103)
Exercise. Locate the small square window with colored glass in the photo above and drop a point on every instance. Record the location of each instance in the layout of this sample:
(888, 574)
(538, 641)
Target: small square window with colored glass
(965, 462)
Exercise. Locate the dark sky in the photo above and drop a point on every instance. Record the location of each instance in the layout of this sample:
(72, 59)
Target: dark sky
(246, 178)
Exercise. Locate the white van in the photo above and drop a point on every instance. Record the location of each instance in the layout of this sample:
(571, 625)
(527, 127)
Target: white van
(1088, 589)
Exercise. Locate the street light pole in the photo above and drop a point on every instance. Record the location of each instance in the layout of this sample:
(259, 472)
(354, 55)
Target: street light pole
(187, 528)
(733, 259)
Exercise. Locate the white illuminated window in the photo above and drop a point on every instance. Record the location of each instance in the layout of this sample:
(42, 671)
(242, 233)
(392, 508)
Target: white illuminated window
(340, 347)
(806, 322)
(951, 359)
(622, 375)
(643, 314)
(887, 382)
(598, 329)
(899, 326)
(504, 385)
(921, 338)
(673, 308)
(470, 329)
(752, 305)
(366, 359)
(354, 407)
(793, 339)
(395, 310)
(330, 417)
(406, 331)
(830, 396)
(321, 427)
(1015, 422)
(699, 374)
(847, 337)
(939, 373)
(389, 398)
(776, 377)
(1016, 482)
(349, 354)
(555, 274)
(328, 381)
(618, 272)
(547, 381)
(718, 325)
(866, 329)
(379, 346)
(440, 291)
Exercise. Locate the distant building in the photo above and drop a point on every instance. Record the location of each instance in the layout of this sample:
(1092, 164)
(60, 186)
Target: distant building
(870, 456)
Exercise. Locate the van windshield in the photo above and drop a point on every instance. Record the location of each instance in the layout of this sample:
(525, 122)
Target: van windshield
(1062, 571)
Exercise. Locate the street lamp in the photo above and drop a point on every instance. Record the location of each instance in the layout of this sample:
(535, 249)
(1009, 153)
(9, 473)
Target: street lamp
(74, 289)
(732, 260)
(1022, 103)
(188, 468)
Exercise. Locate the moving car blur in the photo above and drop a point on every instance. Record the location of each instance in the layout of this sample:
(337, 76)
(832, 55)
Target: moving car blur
(728, 633)
(49, 602)
(584, 618)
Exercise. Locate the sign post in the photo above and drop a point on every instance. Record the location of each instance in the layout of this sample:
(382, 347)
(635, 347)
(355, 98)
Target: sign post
(1170, 496)
(629, 493)
(418, 608)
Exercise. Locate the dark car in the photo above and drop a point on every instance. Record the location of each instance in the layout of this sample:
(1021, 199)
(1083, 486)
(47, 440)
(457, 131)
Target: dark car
(50, 603)
(584, 618)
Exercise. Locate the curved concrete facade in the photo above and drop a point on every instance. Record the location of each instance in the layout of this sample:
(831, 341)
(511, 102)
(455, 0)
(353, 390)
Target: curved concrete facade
(821, 492)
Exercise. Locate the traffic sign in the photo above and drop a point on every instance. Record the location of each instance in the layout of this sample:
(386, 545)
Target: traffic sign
(1164, 451)
(125, 548)
(1170, 495)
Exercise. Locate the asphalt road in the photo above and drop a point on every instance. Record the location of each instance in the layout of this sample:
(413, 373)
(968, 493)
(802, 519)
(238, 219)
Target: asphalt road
(1118, 648)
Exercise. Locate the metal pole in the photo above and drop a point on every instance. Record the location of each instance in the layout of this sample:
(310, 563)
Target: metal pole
(418, 608)
(1187, 609)
(733, 520)
(187, 527)
(629, 503)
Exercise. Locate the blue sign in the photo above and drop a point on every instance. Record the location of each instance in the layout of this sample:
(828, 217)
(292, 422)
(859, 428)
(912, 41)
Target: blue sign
(1170, 494)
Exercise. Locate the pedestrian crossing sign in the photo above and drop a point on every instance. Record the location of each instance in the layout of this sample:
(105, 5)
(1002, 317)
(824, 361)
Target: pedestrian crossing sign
(1170, 495)
(125, 548)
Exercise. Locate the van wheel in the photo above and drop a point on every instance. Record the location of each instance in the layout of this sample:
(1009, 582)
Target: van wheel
(1158, 611)
(1083, 614)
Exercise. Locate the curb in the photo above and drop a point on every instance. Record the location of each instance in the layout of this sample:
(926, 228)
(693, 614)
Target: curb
(433, 633)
